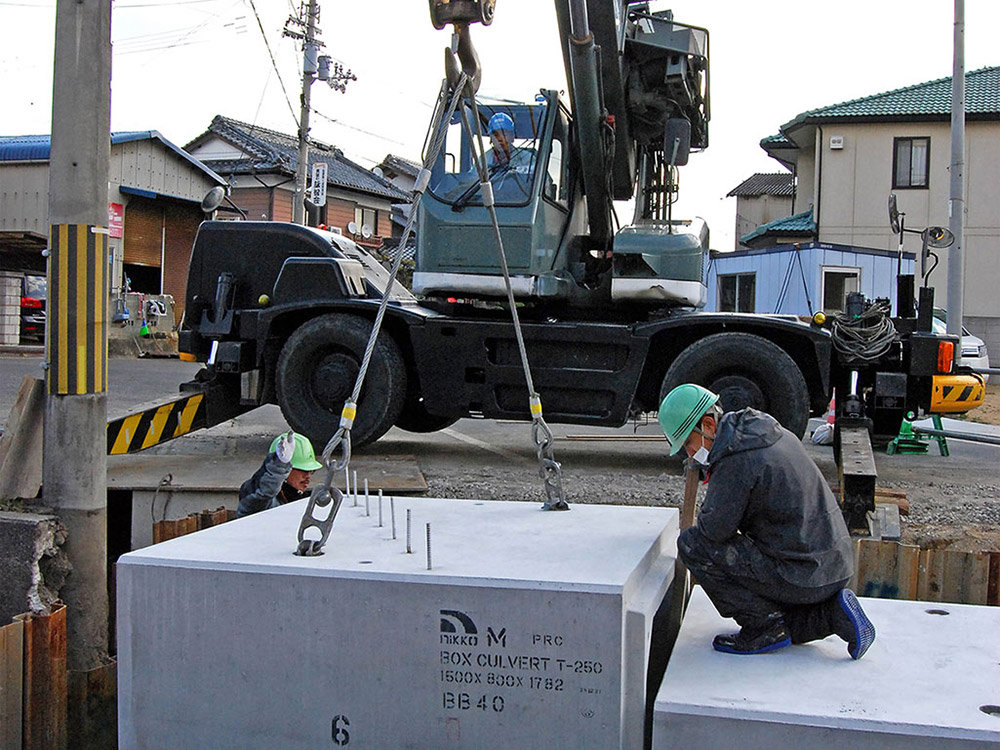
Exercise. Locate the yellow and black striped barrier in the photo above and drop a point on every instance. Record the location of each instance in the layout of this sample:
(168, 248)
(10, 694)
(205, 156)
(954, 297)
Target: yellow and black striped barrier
(147, 428)
(78, 291)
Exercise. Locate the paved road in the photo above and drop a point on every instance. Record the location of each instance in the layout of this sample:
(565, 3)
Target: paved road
(131, 382)
(496, 460)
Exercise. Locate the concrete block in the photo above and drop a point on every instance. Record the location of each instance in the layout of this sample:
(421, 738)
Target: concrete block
(929, 681)
(531, 629)
(32, 563)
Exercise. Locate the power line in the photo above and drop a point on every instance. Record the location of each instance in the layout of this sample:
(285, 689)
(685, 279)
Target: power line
(354, 127)
(274, 64)
(167, 4)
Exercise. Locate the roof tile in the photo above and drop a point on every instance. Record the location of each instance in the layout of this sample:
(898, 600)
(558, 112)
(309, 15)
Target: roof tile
(269, 150)
(769, 183)
(797, 224)
(932, 98)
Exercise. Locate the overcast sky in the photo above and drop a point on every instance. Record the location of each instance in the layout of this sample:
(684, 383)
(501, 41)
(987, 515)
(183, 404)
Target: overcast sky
(178, 64)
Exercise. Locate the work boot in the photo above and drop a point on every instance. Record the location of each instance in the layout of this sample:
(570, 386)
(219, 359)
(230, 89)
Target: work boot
(768, 634)
(853, 625)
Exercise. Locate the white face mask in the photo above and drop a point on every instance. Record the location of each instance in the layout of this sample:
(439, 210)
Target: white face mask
(700, 456)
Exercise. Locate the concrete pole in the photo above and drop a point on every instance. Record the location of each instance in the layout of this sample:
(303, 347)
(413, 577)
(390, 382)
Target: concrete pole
(310, 53)
(956, 202)
(75, 461)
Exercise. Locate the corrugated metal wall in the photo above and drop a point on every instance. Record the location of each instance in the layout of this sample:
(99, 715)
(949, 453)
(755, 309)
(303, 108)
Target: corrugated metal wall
(779, 281)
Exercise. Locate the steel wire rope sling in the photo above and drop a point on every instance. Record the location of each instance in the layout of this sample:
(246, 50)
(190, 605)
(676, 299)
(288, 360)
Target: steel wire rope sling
(548, 468)
(325, 494)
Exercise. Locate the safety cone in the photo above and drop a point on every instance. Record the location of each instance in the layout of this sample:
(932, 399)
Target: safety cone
(144, 331)
(831, 412)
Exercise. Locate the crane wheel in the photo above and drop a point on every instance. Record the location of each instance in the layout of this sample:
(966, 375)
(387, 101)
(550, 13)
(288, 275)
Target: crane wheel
(745, 370)
(316, 372)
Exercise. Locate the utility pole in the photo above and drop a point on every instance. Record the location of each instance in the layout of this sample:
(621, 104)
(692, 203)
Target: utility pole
(956, 202)
(74, 470)
(314, 67)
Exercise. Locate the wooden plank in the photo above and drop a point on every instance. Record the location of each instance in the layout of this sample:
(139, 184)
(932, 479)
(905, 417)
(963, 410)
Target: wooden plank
(45, 680)
(853, 583)
(888, 569)
(908, 567)
(976, 578)
(965, 577)
(931, 567)
(11, 684)
(876, 569)
(866, 567)
(993, 587)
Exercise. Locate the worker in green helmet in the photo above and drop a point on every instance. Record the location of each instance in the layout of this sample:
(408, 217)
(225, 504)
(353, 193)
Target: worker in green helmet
(770, 546)
(282, 477)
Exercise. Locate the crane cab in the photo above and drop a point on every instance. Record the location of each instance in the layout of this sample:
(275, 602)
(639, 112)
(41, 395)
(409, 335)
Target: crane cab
(543, 223)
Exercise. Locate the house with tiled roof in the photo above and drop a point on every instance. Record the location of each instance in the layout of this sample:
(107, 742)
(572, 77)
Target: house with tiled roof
(847, 158)
(761, 199)
(260, 166)
(400, 171)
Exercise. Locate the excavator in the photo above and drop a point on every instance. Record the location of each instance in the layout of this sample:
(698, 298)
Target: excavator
(607, 317)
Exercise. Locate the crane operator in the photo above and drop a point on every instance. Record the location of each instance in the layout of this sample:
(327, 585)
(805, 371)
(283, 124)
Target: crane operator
(510, 167)
(770, 546)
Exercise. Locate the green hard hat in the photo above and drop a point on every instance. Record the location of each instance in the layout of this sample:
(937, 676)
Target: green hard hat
(681, 411)
(303, 457)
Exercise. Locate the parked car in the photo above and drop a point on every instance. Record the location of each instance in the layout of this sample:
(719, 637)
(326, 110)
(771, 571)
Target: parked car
(974, 352)
(33, 294)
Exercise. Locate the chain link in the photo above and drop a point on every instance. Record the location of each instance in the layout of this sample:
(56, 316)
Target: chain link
(548, 468)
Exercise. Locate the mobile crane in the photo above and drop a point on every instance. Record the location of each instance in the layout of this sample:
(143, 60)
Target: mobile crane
(610, 317)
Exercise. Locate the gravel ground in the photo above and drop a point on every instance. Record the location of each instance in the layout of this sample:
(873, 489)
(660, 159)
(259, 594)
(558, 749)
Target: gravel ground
(954, 501)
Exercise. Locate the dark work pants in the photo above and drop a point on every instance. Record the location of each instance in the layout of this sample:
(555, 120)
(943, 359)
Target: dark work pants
(744, 583)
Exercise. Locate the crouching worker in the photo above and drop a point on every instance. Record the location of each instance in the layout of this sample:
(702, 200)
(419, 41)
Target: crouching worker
(283, 477)
(770, 546)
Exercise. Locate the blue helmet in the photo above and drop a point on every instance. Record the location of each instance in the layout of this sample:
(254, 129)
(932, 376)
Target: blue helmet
(501, 121)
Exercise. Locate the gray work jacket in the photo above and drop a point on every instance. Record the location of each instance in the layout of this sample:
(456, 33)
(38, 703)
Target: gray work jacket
(763, 484)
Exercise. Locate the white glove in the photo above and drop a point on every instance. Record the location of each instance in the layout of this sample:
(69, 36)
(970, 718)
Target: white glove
(286, 447)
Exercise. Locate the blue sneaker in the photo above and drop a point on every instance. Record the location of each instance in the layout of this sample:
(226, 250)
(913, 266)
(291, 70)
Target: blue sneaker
(861, 633)
(768, 635)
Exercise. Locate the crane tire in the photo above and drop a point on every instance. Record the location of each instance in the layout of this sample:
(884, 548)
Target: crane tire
(745, 370)
(316, 372)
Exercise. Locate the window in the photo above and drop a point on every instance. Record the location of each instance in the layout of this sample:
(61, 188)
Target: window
(737, 292)
(557, 178)
(910, 159)
(366, 217)
(837, 284)
(511, 164)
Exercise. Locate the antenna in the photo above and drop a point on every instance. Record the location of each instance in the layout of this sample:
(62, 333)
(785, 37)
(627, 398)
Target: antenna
(352, 227)
(366, 231)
